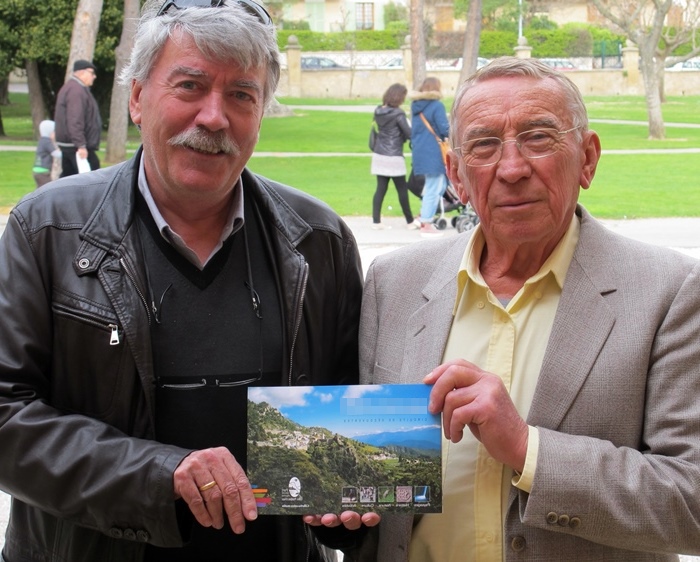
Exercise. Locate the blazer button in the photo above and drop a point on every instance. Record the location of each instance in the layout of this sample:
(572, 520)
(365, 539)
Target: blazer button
(302, 380)
(563, 520)
(142, 536)
(116, 533)
(129, 534)
(552, 518)
(518, 543)
(575, 522)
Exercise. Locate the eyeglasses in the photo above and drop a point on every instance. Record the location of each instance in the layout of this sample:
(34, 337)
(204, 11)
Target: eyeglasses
(487, 151)
(251, 7)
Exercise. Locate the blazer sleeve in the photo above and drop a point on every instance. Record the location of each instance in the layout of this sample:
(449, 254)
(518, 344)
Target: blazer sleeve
(617, 409)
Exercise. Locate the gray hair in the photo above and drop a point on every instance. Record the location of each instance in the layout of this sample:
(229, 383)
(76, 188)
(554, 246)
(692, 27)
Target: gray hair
(532, 68)
(228, 32)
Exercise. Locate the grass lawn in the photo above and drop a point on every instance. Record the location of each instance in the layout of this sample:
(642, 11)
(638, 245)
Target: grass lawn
(626, 185)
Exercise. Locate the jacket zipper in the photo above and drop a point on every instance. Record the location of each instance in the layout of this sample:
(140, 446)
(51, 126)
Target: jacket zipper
(132, 278)
(302, 295)
(114, 335)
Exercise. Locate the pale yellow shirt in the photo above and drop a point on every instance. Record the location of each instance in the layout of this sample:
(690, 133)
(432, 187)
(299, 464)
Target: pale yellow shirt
(509, 341)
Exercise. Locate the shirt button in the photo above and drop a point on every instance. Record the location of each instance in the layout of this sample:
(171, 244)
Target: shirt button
(480, 305)
(490, 537)
(538, 294)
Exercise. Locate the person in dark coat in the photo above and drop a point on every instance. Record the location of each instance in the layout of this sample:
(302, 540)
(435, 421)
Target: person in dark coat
(78, 121)
(388, 162)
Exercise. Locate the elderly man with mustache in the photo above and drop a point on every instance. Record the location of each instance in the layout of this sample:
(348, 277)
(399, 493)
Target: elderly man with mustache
(140, 301)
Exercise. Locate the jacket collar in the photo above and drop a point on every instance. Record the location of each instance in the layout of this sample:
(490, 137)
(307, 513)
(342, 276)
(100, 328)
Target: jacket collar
(104, 231)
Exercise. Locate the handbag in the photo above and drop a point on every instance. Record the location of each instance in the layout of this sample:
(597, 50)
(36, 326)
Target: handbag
(443, 144)
(373, 132)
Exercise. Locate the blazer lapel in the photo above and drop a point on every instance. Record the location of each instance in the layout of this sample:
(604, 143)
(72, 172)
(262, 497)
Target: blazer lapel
(581, 326)
(429, 326)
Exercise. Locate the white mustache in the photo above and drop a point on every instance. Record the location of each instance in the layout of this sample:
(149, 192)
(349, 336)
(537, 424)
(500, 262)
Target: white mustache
(206, 141)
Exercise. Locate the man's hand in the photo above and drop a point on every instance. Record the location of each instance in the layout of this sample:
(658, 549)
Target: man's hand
(230, 493)
(350, 519)
(468, 396)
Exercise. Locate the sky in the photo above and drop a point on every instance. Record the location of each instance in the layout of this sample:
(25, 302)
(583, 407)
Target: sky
(352, 410)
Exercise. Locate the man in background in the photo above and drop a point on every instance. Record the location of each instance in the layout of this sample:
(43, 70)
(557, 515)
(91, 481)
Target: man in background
(78, 121)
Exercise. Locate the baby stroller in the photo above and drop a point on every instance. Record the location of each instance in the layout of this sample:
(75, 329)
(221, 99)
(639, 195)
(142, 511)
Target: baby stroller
(466, 220)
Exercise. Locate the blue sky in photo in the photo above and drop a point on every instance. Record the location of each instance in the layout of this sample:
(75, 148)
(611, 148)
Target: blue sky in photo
(352, 410)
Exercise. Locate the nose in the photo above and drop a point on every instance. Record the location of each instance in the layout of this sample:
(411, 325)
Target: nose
(512, 165)
(212, 112)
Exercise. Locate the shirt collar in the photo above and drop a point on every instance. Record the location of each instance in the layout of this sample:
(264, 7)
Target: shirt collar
(557, 263)
(233, 222)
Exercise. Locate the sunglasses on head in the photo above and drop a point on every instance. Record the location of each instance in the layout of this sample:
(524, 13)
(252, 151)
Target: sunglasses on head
(251, 7)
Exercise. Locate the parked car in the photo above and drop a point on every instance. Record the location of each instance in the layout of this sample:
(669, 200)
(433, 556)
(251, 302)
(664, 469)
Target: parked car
(318, 63)
(480, 61)
(686, 65)
(394, 62)
(559, 64)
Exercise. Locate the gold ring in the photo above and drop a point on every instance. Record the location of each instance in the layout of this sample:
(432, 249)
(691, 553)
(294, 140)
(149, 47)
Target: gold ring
(207, 486)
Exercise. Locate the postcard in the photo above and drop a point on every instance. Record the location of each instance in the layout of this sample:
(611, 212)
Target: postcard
(328, 449)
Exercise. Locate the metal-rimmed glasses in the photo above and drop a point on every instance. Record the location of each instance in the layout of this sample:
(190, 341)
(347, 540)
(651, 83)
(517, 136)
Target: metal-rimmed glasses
(536, 143)
(251, 7)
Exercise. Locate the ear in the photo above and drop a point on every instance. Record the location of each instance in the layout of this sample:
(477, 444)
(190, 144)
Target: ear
(135, 102)
(592, 150)
(452, 167)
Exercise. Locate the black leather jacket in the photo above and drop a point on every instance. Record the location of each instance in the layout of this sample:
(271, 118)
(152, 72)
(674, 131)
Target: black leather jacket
(76, 371)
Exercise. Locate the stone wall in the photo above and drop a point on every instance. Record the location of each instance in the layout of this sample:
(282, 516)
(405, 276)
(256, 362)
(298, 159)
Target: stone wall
(362, 83)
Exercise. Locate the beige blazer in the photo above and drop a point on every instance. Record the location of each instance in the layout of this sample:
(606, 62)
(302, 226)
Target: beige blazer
(617, 402)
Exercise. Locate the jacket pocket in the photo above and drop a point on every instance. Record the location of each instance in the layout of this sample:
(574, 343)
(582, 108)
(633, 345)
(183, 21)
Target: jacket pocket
(90, 357)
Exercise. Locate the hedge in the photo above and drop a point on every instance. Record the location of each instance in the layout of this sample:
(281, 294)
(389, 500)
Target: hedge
(571, 40)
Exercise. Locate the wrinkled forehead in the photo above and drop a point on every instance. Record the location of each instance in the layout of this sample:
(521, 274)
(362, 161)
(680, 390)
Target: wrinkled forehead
(514, 102)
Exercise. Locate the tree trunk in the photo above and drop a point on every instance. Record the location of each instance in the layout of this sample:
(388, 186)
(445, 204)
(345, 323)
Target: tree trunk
(119, 104)
(472, 36)
(652, 95)
(85, 26)
(5, 90)
(37, 105)
(417, 43)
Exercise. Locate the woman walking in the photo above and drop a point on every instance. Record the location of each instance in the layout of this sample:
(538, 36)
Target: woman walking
(427, 156)
(388, 162)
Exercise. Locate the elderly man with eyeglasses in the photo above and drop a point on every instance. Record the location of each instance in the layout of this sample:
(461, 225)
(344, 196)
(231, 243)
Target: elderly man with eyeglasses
(139, 302)
(564, 358)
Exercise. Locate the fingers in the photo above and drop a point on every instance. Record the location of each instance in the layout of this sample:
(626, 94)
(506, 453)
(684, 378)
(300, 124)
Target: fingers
(448, 377)
(351, 520)
(212, 484)
(470, 397)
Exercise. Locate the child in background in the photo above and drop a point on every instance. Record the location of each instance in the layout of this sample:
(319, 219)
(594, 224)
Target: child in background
(46, 151)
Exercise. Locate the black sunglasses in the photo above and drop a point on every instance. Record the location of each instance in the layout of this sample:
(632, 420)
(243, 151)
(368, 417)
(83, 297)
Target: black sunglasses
(251, 7)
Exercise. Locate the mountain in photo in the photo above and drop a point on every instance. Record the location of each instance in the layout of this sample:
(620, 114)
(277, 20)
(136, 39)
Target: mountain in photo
(422, 438)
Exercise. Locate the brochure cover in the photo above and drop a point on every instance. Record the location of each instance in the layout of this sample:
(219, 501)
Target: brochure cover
(328, 449)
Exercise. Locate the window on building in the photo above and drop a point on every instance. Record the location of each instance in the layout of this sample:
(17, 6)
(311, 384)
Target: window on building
(364, 15)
